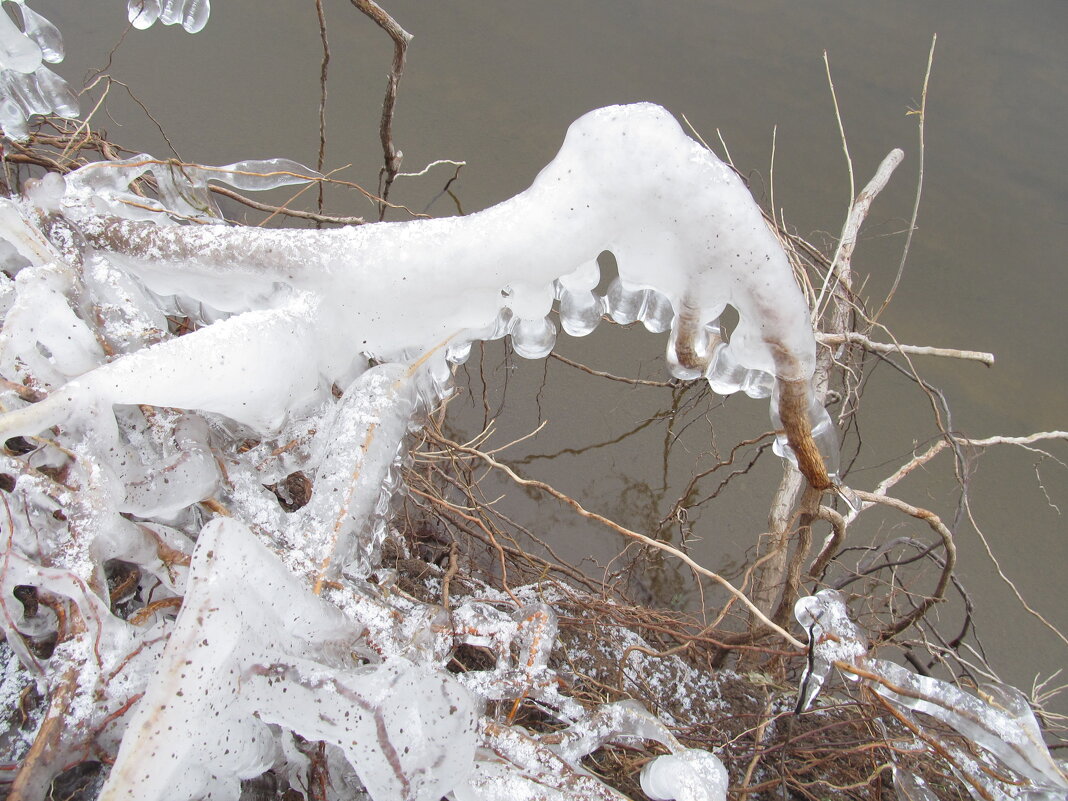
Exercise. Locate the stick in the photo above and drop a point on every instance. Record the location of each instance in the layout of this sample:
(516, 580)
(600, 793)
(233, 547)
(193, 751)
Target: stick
(857, 338)
(400, 39)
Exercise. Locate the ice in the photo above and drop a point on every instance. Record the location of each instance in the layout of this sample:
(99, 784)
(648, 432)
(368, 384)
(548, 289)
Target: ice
(191, 14)
(360, 444)
(261, 174)
(254, 645)
(43, 33)
(1001, 725)
(408, 731)
(27, 86)
(104, 187)
(910, 787)
(163, 489)
(520, 768)
(251, 391)
(1010, 734)
(691, 775)
(580, 311)
(533, 339)
(628, 304)
(833, 637)
(190, 734)
(378, 289)
(18, 51)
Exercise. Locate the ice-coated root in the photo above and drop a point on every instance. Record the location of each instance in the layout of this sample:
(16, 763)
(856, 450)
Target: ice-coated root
(336, 529)
(1002, 725)
(192, 733)
(684, 253)
(809, 432)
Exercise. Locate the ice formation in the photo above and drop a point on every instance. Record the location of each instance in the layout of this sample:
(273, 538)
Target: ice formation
(685, 232)
(29, 87)
(190, 14)
(1001, 724)
(190, 371)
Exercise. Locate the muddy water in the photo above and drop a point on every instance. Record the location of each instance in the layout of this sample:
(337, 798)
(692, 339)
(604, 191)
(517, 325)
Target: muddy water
(498, 88)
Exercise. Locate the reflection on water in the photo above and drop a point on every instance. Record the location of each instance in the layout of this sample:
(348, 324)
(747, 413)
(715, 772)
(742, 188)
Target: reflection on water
(498, 88)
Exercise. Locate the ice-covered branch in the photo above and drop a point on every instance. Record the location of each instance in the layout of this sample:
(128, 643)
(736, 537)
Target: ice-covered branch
(687, 235)
(1001, 725)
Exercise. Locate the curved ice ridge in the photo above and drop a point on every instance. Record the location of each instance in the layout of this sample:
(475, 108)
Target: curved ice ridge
(686, 234)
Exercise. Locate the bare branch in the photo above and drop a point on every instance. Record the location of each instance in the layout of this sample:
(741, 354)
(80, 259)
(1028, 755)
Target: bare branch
(857, 338)
(400, 38)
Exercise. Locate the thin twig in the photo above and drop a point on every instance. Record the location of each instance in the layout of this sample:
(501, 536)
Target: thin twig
(857, 338)
(400, 38)
(321, 16)
(922, 112)
(642, 538)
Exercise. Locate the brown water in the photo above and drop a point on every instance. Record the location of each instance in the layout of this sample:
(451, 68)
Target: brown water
(497, 84)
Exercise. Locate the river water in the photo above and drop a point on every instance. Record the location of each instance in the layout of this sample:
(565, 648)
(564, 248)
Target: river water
(497, 84)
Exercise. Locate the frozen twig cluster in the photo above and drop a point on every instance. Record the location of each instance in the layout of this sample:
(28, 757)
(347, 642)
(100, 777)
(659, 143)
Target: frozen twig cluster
(1003, 755)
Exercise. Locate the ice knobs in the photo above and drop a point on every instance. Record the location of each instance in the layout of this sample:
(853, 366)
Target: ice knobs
(28, 86)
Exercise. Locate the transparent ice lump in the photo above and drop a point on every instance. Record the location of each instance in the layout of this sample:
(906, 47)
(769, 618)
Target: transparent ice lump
(190, 14)
(28, 87)
(691, 775)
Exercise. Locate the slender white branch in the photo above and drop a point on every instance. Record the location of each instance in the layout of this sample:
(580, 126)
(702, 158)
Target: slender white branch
(856, 338)
(430, 166)
(936, 448)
